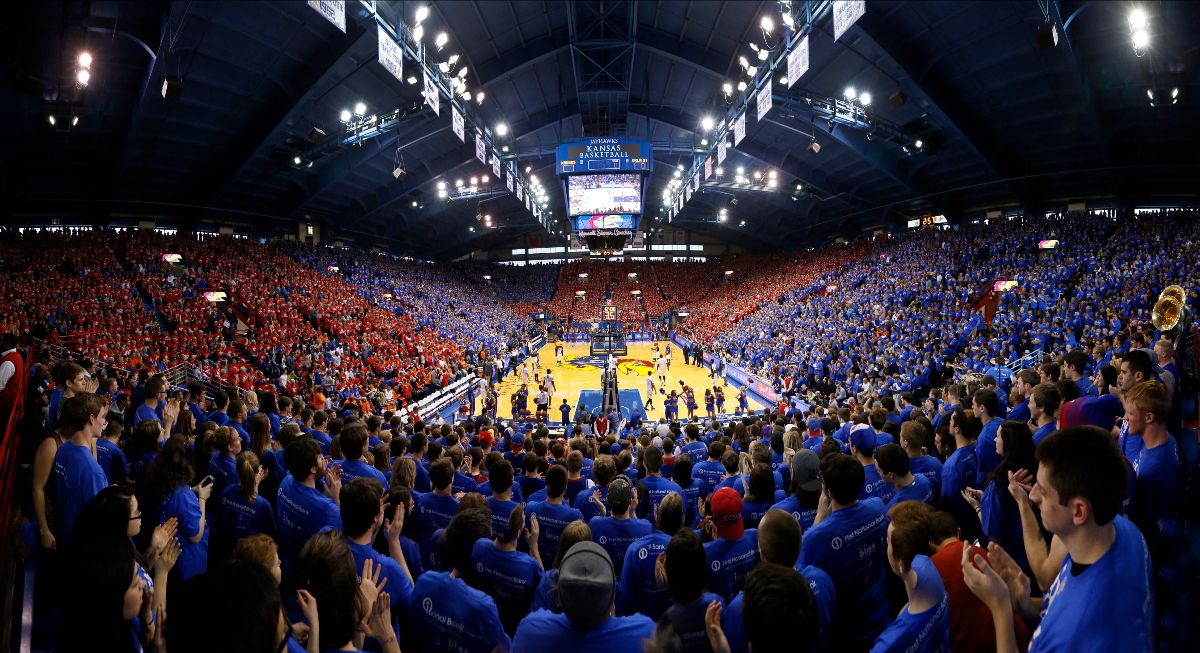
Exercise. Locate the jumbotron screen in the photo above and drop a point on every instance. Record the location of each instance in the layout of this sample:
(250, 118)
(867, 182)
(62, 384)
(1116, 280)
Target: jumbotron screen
(604, 194)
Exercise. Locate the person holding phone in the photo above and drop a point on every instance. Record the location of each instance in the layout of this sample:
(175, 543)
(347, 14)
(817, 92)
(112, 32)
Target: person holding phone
(167, 488)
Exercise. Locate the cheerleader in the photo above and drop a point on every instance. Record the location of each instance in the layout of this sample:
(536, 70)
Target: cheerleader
(720, 397)
(691, 402)
(709, 404)
(671, 406)
(743, 402)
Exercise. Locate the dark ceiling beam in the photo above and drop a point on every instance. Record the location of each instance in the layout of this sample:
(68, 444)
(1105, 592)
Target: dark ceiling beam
(949, 113)
(335, 67)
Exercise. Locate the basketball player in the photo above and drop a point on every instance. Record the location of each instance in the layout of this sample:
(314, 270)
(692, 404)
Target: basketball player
(548, 384)
(662, 365)
(559, 349)
(524, 374)
(668, 355)
(650, 388)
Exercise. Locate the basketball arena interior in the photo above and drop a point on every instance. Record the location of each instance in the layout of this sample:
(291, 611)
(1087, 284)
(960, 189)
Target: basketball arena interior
(600, 325)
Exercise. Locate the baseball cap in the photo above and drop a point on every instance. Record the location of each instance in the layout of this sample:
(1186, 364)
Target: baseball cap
(586, 585)
(814, 425)
(863, 438)
(726, 505)
(518, 439)
(806, 470)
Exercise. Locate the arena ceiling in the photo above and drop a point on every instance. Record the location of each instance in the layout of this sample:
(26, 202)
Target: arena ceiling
(1003, 121)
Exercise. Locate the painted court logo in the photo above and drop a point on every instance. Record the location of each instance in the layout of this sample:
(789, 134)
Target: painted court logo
(624, 365)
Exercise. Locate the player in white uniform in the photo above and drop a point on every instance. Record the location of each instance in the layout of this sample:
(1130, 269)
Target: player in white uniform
(650, 388)
(548, 383)
(662, 369)
(524, 374)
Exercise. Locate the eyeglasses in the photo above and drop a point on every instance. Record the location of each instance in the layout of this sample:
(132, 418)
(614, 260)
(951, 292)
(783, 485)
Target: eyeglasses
(136, 516)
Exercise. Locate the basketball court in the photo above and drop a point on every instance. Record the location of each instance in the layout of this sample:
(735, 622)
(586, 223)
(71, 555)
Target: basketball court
(579, 377)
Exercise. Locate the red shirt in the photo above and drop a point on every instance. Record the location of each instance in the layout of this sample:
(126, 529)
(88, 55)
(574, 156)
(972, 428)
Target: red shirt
(971, 629)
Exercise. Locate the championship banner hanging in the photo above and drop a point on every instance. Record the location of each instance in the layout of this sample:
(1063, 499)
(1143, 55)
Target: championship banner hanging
(496, 165)
(708, 167)
(739, 129)
(431, 94)
(797, 61)
(458, 124)
(509, 180)
(695, 182)
(520, 192)
(480, 148)
(390, 54)
(721, 148)
(334, 11)
(845, 14)
(764, 100)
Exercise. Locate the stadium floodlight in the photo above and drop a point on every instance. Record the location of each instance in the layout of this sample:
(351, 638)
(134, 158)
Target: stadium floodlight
(850, 93)
(471, 229)
(741, 86)
(458, 183)
(1137, 18)
(501, 129)
(74, 120)
(767, 24)
(484, 179)
(442, 193)
(528, 169)
(83, 77)
(1174, 93)
(418, 33)
(772, 183)
(788, 20)
(474, 181)
(757, 175)
(533, 178)
(345, 115)
(479, 97)
(440, 40)
(771, 174)
(763, 54)
(706, 123)
(85, 59)
(412, 79)
(743, 62)
(1141, 38)
(444, 67)
(741, 170)
(466, 96)
(720, 171)
(751, 71)
(727, 88)
(742, 223)
(360, 109)
(678, 174)
(864, 99)
(441, 185)
(1150, 93)
(918, 144)
(703, 142)
(296, 160)
(422, 13)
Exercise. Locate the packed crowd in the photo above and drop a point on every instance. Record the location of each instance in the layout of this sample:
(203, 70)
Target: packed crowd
(843, 526)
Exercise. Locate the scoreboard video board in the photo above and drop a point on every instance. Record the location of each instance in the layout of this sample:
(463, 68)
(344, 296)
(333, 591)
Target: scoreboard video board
(604, 155)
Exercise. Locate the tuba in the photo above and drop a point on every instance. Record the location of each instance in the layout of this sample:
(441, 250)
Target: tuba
(1168, 310)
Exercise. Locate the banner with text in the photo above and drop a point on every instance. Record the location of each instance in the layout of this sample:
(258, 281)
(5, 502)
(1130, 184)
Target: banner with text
(739, 129)
(797, 61)
(480, 148)
(334, 11)
(458, 124)
(431, 94)
(764, 100)
(845, 14)
(390, 54)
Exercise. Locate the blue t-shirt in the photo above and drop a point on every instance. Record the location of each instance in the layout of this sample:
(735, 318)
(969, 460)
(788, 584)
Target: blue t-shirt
(958, 473)
(448, 615)
(462, 483)
(616, 536)
(78, 478)
(501, 509)
(543, 598)
(240, 518)
(183, 504)
(850, 545)
(918, 490)
(352, 469)
(803, 516)
(552, 519)
(687, 622)
(730, 562)
(546, 632)
(823, 593)
(301, 511)
(144, 413)
(485, 488)
(709, 473)
(223, 469)
(1108, 606)
(985, 450)
(112, 461)
(1158, 493)
(510, 577)
(1043, 431)
(583, 502)
(874, 486)
(399, 587)
(1020, 412)
(639, 591)
(931, 469)
(657, 488)
(926, 631)
(432, 513)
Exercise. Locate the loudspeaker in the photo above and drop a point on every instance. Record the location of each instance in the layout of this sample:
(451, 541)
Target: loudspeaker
(399, 173)
(172, 88)
(316, 135)
(898, 99)
(814, 147)
(1047, 35)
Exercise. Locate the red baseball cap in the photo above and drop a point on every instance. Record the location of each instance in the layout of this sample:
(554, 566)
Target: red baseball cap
(726, 505)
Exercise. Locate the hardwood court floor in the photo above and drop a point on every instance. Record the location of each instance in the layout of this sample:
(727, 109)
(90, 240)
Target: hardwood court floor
(580, 372)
